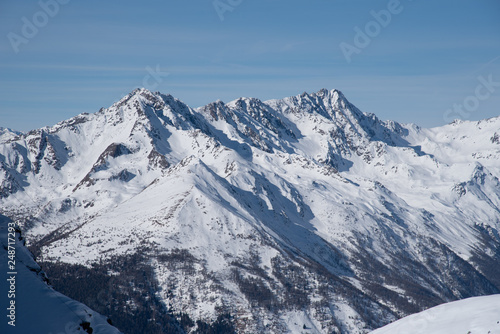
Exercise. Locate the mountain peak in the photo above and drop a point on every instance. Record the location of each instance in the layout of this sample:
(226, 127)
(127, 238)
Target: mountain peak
(8, 134)
(323, 92)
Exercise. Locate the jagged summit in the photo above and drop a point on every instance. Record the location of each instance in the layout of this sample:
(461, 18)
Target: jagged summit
(7, 134)
(301, 211)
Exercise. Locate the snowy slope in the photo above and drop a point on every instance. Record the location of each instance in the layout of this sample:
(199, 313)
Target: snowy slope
(38, 307)
(8, 134)
(287, 214)
(472, 315)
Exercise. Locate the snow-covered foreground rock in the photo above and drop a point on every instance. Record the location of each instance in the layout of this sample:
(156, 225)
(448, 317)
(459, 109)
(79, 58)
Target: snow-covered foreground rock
(473, 316)
(29, 305)
(302, 214)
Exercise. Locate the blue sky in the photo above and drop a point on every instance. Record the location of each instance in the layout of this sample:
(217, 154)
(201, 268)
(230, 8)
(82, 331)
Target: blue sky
(432, 61)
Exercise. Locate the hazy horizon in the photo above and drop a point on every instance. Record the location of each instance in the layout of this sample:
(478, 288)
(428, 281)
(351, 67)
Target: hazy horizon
(408, 61)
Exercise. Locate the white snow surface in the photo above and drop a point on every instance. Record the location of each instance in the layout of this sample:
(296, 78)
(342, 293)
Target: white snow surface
(477, 315)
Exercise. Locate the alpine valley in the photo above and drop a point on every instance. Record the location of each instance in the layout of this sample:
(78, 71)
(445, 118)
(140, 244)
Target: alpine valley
(298, 215)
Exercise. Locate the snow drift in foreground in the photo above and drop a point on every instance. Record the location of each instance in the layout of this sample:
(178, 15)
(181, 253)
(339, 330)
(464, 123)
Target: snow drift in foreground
(37, 307)
(475, 315)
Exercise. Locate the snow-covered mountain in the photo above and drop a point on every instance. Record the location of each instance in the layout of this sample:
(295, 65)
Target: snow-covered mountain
(296, 215)
(29, 304)
(8, 134)
(471, 315)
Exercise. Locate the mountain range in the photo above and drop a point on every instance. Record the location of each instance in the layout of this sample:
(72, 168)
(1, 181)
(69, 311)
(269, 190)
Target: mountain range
(296, 215)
